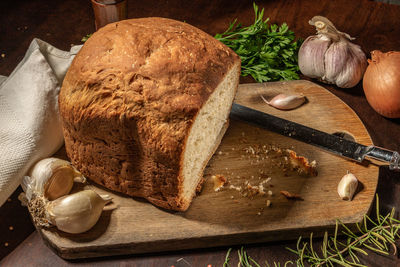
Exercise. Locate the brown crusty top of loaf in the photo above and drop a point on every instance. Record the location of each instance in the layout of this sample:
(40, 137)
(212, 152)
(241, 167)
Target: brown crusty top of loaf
(149, 75)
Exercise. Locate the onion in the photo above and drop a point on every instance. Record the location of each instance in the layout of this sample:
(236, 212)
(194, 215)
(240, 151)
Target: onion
(382, 83)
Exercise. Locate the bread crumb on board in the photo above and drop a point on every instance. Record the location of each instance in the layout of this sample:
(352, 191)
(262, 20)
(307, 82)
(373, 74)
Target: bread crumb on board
(250, 190)
(237, 188)
(302, 164)
(219, 182)
(282, 158)
(291, 196)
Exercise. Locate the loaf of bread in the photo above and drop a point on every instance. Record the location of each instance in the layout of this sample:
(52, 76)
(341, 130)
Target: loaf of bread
(144, 106)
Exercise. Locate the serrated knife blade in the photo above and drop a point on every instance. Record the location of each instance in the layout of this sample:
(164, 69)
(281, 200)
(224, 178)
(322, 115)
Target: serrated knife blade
(332, 143)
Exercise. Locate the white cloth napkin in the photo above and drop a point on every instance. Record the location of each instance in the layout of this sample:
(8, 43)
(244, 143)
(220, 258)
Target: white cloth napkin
(30, 127)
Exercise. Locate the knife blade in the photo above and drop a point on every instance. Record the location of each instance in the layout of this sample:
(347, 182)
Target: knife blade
(329, 142)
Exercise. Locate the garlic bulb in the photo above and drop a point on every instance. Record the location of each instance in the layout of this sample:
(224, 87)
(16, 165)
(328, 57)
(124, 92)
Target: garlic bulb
(51, 178)
(347, 186)
(330, 56)
(76, 213)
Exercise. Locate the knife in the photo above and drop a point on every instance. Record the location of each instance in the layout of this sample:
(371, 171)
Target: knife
(332, 143)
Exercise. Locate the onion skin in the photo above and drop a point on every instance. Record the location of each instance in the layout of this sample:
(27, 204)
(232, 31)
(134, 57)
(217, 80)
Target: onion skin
(381, 83)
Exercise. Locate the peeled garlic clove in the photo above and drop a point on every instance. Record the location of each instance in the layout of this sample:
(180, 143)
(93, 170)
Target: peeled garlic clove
(347, 186)
(286, 102)
(76, 213)
(311, 56)
(51, 178)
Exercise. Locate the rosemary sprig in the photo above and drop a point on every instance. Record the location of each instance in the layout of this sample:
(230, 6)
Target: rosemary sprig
(268, 52)
(377, 235)
(226, 262)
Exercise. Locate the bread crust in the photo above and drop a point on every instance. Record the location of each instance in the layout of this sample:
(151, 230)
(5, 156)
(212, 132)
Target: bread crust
(129, 99)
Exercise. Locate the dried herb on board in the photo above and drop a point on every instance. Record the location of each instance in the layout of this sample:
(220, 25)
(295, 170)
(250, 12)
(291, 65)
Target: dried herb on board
(268, 52)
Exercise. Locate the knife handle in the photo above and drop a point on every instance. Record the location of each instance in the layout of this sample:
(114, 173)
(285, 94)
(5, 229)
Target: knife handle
(382, 154)
(395, 162)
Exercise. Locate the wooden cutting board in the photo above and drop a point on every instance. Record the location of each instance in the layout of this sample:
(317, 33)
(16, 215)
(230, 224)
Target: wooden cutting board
(228, 217)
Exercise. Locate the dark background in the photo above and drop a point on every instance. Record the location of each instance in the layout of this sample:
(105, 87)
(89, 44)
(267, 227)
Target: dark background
(64, 23)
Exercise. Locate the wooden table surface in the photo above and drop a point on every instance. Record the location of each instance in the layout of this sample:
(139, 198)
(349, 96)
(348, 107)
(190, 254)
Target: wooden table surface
(62, 23)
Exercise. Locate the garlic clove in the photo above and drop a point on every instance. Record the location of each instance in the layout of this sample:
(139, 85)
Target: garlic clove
(347, 186)
(60, 183)
(311, 56)
(80, 178)
(286, 102)
(345, 64)
(76, 213)
(335, 61)
(106, 198)
(52, 178)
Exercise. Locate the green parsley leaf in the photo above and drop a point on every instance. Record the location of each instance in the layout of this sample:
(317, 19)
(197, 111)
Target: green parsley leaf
(268, 52)
(85, 38)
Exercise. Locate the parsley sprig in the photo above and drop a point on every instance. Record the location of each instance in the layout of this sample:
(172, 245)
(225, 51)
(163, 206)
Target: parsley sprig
(268, 52)
(85, 38)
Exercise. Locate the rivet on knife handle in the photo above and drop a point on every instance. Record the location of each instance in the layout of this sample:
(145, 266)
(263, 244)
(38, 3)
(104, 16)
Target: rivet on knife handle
(395, 162)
